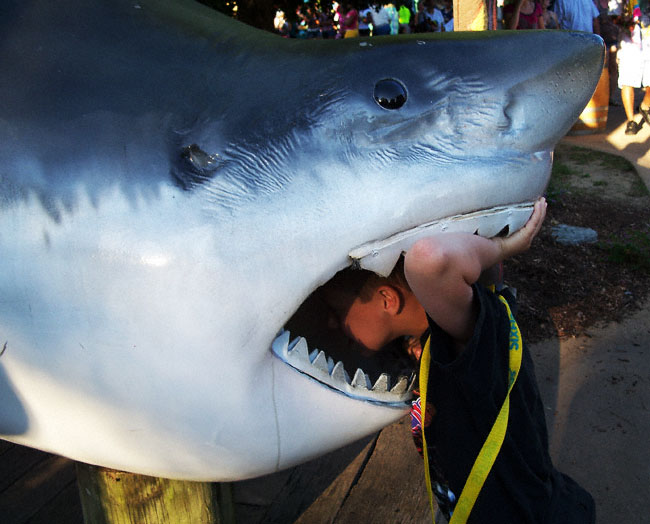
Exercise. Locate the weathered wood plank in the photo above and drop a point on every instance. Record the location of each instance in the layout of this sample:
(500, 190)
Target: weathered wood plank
(34, 490)
(391, 488)
(284, 496)
(5, 446)
(16, 462)
(254, 497)
(325, 508)
(65, 508)
(381, 482)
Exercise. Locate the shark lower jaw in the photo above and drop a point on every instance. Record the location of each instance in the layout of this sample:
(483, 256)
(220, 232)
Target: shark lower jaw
(389, 376)
(318, 365)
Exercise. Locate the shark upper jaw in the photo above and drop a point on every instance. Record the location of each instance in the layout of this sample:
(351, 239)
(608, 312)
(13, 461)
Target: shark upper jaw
(392, 384)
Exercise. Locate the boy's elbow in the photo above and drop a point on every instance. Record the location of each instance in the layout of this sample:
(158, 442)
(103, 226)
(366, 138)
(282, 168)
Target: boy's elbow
(428, 256)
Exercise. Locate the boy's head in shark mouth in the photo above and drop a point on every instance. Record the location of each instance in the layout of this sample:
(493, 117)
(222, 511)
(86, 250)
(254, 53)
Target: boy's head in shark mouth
(373, 310)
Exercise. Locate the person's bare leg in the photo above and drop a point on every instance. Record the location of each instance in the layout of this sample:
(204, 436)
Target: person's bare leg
(627, 95)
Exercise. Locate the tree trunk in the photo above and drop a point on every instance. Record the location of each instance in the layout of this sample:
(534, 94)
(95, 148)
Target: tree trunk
(115, 497)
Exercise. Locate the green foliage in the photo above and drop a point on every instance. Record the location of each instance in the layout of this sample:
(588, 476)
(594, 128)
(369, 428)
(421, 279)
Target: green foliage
(561, 170)
(638, 189)
(577, 163)
(559, 180)
(572, 165)
(633, 249)
(582, 156)
(614, 162)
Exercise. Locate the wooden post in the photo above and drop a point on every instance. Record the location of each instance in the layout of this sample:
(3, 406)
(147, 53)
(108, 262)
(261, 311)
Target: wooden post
(470, 15)
(115, 497)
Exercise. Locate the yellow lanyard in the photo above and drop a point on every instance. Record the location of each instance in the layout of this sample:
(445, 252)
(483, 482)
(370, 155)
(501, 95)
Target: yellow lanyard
(494, 440)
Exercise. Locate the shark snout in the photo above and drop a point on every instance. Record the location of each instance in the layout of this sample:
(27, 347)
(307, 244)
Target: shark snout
(542, 108)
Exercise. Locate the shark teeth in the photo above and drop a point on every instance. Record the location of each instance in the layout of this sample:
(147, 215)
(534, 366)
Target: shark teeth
(319, 366)
(380, 256)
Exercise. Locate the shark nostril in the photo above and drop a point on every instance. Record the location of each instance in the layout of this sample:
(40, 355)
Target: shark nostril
(390, 94)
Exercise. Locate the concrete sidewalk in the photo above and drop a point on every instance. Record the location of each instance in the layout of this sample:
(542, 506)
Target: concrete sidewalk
(635, 148)
(596, 390)
(597, 387)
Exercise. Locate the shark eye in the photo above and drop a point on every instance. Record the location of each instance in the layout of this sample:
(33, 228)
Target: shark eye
(390, 94)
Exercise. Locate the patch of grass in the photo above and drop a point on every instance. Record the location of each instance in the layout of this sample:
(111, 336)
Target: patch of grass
(559, 182)
(614, 162)
(561, 170)
(581, 156)
(571, 162)
(638, 189)
(632, 250)
(556, 188)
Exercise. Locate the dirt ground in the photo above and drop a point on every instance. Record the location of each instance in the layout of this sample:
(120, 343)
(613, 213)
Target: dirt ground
(563, 290)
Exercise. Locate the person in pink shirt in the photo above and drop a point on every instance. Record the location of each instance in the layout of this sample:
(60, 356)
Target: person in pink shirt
(524, 14)
(348, 21)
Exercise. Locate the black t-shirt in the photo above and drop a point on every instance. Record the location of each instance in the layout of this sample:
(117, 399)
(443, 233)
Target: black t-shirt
(467, 391)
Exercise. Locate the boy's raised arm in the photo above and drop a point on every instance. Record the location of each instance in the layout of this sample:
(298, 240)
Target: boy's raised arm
(441, 270)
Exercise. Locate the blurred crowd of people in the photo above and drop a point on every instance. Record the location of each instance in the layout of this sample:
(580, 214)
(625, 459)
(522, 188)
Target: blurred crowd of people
(357, 18)
(351, 18)
(624, 25)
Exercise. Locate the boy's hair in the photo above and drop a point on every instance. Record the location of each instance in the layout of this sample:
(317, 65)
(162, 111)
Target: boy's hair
(350, 284)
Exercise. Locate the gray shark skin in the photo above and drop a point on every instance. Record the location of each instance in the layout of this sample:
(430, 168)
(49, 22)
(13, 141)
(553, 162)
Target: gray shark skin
(173, 185)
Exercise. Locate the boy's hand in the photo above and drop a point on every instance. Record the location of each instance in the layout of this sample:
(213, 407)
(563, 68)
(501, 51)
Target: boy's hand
(521, 240)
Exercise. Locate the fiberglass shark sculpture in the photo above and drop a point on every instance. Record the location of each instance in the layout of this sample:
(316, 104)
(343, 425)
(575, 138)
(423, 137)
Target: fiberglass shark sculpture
(174, 184)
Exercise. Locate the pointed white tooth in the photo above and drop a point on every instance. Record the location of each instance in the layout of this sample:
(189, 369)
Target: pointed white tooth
(320, 362)
(382, 383)
(360, 380)
(401, 386)
(299, 351)
(414, 377)
(381, 261)
(339, 374)
(280, 345)
(381, 386)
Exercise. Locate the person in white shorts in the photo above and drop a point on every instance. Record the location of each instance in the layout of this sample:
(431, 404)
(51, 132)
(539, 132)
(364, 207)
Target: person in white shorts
(634, 71)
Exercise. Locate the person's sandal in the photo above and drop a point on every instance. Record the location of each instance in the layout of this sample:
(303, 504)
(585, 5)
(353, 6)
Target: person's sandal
(632, 128)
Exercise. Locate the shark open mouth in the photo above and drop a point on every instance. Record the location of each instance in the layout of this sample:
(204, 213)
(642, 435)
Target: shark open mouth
(388, 376)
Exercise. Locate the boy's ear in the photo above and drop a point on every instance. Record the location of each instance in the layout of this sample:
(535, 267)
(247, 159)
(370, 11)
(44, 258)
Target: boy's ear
(391, 299)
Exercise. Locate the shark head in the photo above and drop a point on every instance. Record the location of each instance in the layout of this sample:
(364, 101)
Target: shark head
(175, 185)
